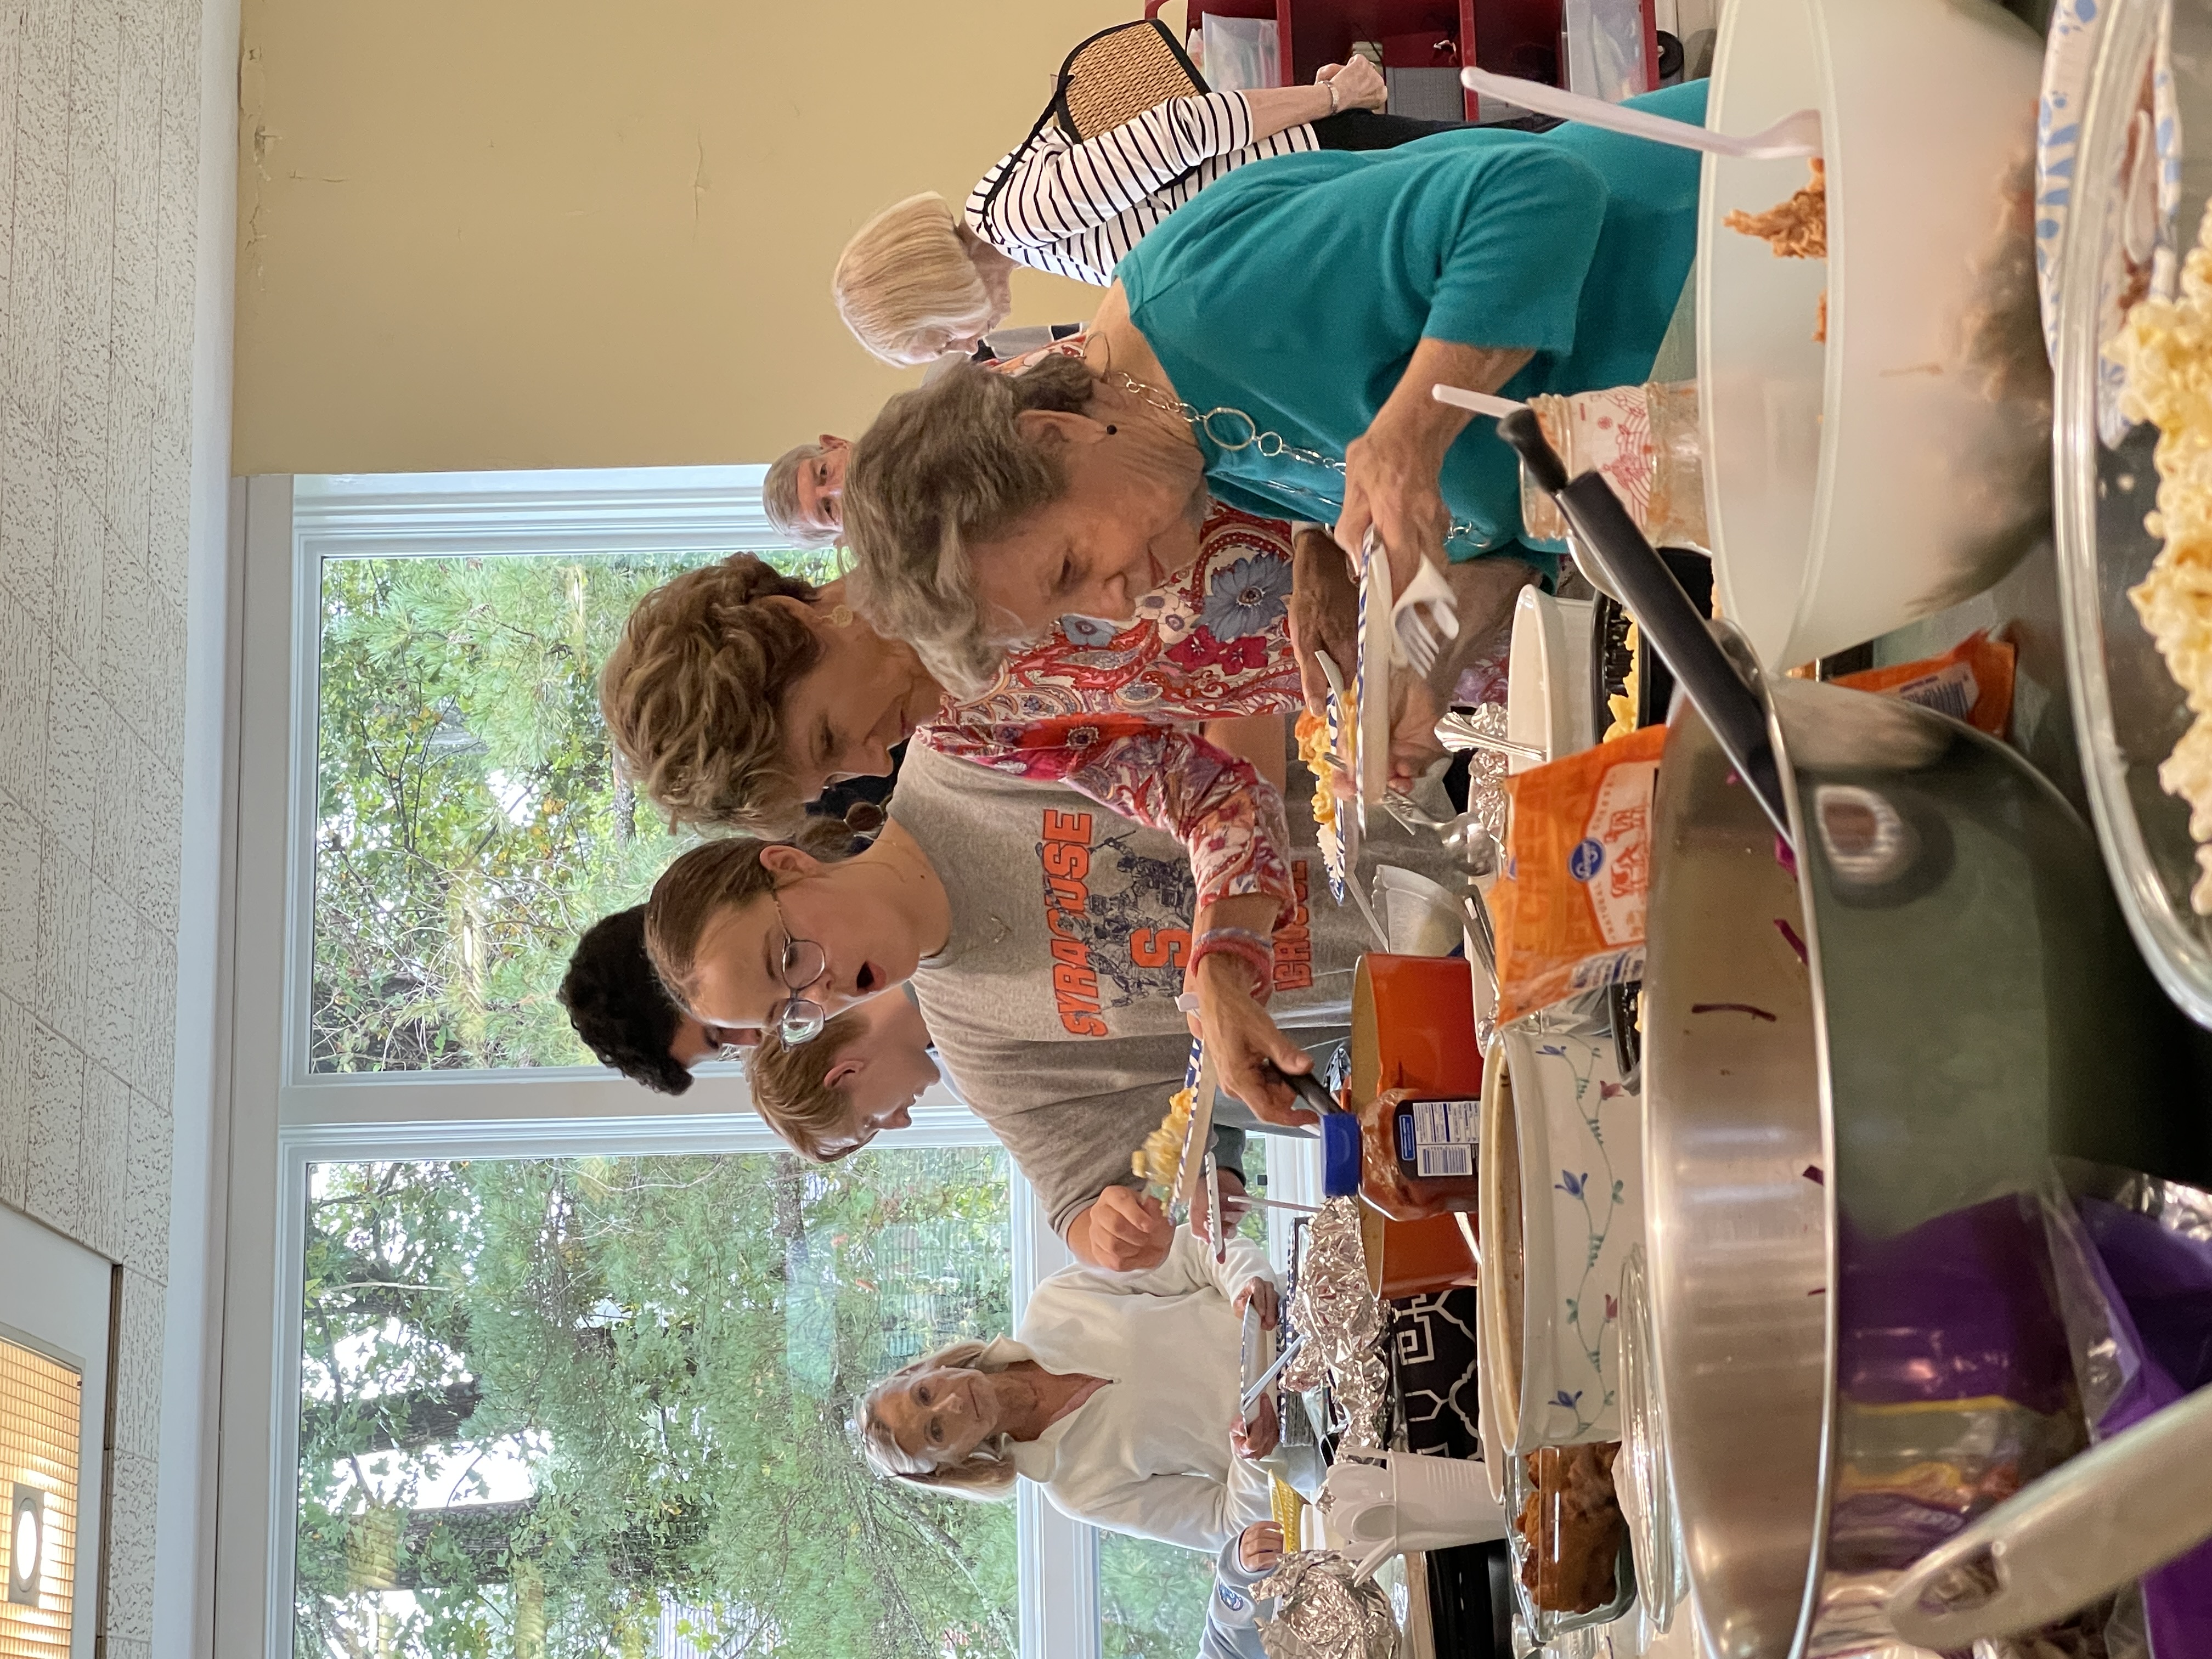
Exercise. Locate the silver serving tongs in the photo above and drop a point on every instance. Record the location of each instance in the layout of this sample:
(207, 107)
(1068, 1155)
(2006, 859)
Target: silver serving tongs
(1198, 1136)
(1348, 835)
(1458, 732)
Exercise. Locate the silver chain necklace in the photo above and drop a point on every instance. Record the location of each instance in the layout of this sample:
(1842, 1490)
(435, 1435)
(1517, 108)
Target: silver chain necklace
(1244, 432)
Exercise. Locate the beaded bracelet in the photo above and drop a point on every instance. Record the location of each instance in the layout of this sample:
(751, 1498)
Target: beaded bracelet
(1256, 950)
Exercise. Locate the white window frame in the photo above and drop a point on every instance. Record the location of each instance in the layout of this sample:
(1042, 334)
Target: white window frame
(284, 1117)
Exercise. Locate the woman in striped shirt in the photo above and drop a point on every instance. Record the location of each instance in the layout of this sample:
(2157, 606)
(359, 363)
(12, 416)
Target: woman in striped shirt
(917, 280)
(1076, 209)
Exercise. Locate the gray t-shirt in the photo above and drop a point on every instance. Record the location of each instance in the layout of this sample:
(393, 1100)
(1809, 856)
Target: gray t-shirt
(1071, 924)
(1053, 1001)
(1071, 1115)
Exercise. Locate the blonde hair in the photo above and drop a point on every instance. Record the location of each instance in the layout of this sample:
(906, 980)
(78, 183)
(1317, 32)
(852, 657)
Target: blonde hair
(906, 273)
(693, 691)
(780, 498)
(985, 1474)
(791, 1087)
(938, 470)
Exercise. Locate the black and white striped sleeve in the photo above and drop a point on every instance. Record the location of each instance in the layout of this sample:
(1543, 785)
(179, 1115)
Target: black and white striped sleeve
(1057, 192)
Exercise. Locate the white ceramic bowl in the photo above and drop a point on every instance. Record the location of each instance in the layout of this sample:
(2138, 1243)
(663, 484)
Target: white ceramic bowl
(1903, 466)
(1563, 1179)
(1547, 677)
(1499, 1286)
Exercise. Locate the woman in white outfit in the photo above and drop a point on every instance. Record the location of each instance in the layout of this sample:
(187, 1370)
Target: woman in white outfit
(1118, 1395)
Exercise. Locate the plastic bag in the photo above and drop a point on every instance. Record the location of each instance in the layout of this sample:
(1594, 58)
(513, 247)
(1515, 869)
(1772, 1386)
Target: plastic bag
(2134, 1260)
(1953, 1391)
(1970, 682)
(1569, 908)
(1241, 53)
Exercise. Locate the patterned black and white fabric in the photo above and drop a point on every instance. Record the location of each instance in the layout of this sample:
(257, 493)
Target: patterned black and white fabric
(1431, 1344)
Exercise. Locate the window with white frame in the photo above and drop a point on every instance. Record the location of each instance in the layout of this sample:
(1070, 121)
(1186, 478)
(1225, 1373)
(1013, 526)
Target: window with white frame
(519, 1357)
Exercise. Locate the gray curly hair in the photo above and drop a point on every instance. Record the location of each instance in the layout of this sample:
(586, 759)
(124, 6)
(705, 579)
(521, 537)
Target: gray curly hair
(940, 469)
(780, 498)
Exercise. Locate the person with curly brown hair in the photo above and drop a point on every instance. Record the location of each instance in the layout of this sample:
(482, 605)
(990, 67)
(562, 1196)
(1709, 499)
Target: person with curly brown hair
(737, 693)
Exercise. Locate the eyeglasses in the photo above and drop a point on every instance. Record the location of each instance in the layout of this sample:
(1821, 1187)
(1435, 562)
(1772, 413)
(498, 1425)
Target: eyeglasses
(798, 1019)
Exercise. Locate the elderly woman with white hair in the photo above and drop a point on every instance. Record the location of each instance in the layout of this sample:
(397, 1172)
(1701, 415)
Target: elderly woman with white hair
(1118, 1395)
(915, 283)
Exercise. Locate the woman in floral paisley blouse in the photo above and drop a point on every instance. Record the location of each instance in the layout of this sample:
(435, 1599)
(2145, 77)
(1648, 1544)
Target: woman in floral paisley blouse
(737, 693)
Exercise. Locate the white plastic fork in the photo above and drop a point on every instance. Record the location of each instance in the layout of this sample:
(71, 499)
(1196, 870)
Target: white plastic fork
(1422, 618)
(1797, 134)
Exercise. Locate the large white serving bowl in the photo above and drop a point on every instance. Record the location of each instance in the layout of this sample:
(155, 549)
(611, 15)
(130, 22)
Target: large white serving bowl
(1903, 466)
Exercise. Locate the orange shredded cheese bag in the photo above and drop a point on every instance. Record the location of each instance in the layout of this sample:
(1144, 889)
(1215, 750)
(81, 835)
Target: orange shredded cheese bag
(1570, 906)
(1970, 682)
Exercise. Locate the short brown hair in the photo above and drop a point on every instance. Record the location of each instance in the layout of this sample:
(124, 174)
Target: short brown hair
(939, 469)
(791, 1090)
(616, 1004)
(693, 691)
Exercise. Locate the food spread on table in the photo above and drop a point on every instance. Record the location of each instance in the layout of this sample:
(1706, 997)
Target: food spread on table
(1571, 900)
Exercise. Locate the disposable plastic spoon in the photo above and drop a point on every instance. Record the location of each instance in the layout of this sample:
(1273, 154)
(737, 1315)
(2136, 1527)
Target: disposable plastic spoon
(1793, 134)
(1482, 403)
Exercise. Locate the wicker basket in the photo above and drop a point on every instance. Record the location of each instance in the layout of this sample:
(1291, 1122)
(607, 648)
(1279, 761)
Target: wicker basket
(1118, 73)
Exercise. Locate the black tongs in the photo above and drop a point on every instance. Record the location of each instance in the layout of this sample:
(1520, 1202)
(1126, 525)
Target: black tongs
(1307, 1088)
(1662, 610)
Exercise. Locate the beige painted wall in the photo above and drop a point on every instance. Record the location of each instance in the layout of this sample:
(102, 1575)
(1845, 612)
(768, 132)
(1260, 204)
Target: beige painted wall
(479, 234)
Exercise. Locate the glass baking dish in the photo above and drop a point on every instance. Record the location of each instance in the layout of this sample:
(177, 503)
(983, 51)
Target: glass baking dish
(2128, 711)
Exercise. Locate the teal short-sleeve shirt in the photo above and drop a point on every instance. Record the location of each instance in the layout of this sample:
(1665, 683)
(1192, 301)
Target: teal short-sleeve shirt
(1295, 289)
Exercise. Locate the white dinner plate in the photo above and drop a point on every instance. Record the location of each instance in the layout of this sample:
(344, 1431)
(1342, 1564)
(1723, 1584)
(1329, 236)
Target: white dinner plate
(1371, 680)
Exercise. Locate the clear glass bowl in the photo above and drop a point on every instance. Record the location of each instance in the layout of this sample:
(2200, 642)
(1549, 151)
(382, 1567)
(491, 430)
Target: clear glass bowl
(1544, 1625)
(2128, 711)
(1662, 1576)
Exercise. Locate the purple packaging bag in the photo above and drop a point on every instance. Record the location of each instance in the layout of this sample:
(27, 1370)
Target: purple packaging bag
(1954, 1387)
(2135, 1266)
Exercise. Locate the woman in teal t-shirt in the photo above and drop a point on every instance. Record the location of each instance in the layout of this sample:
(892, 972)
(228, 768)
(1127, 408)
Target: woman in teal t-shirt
(1566, 250)
(1307, 302)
